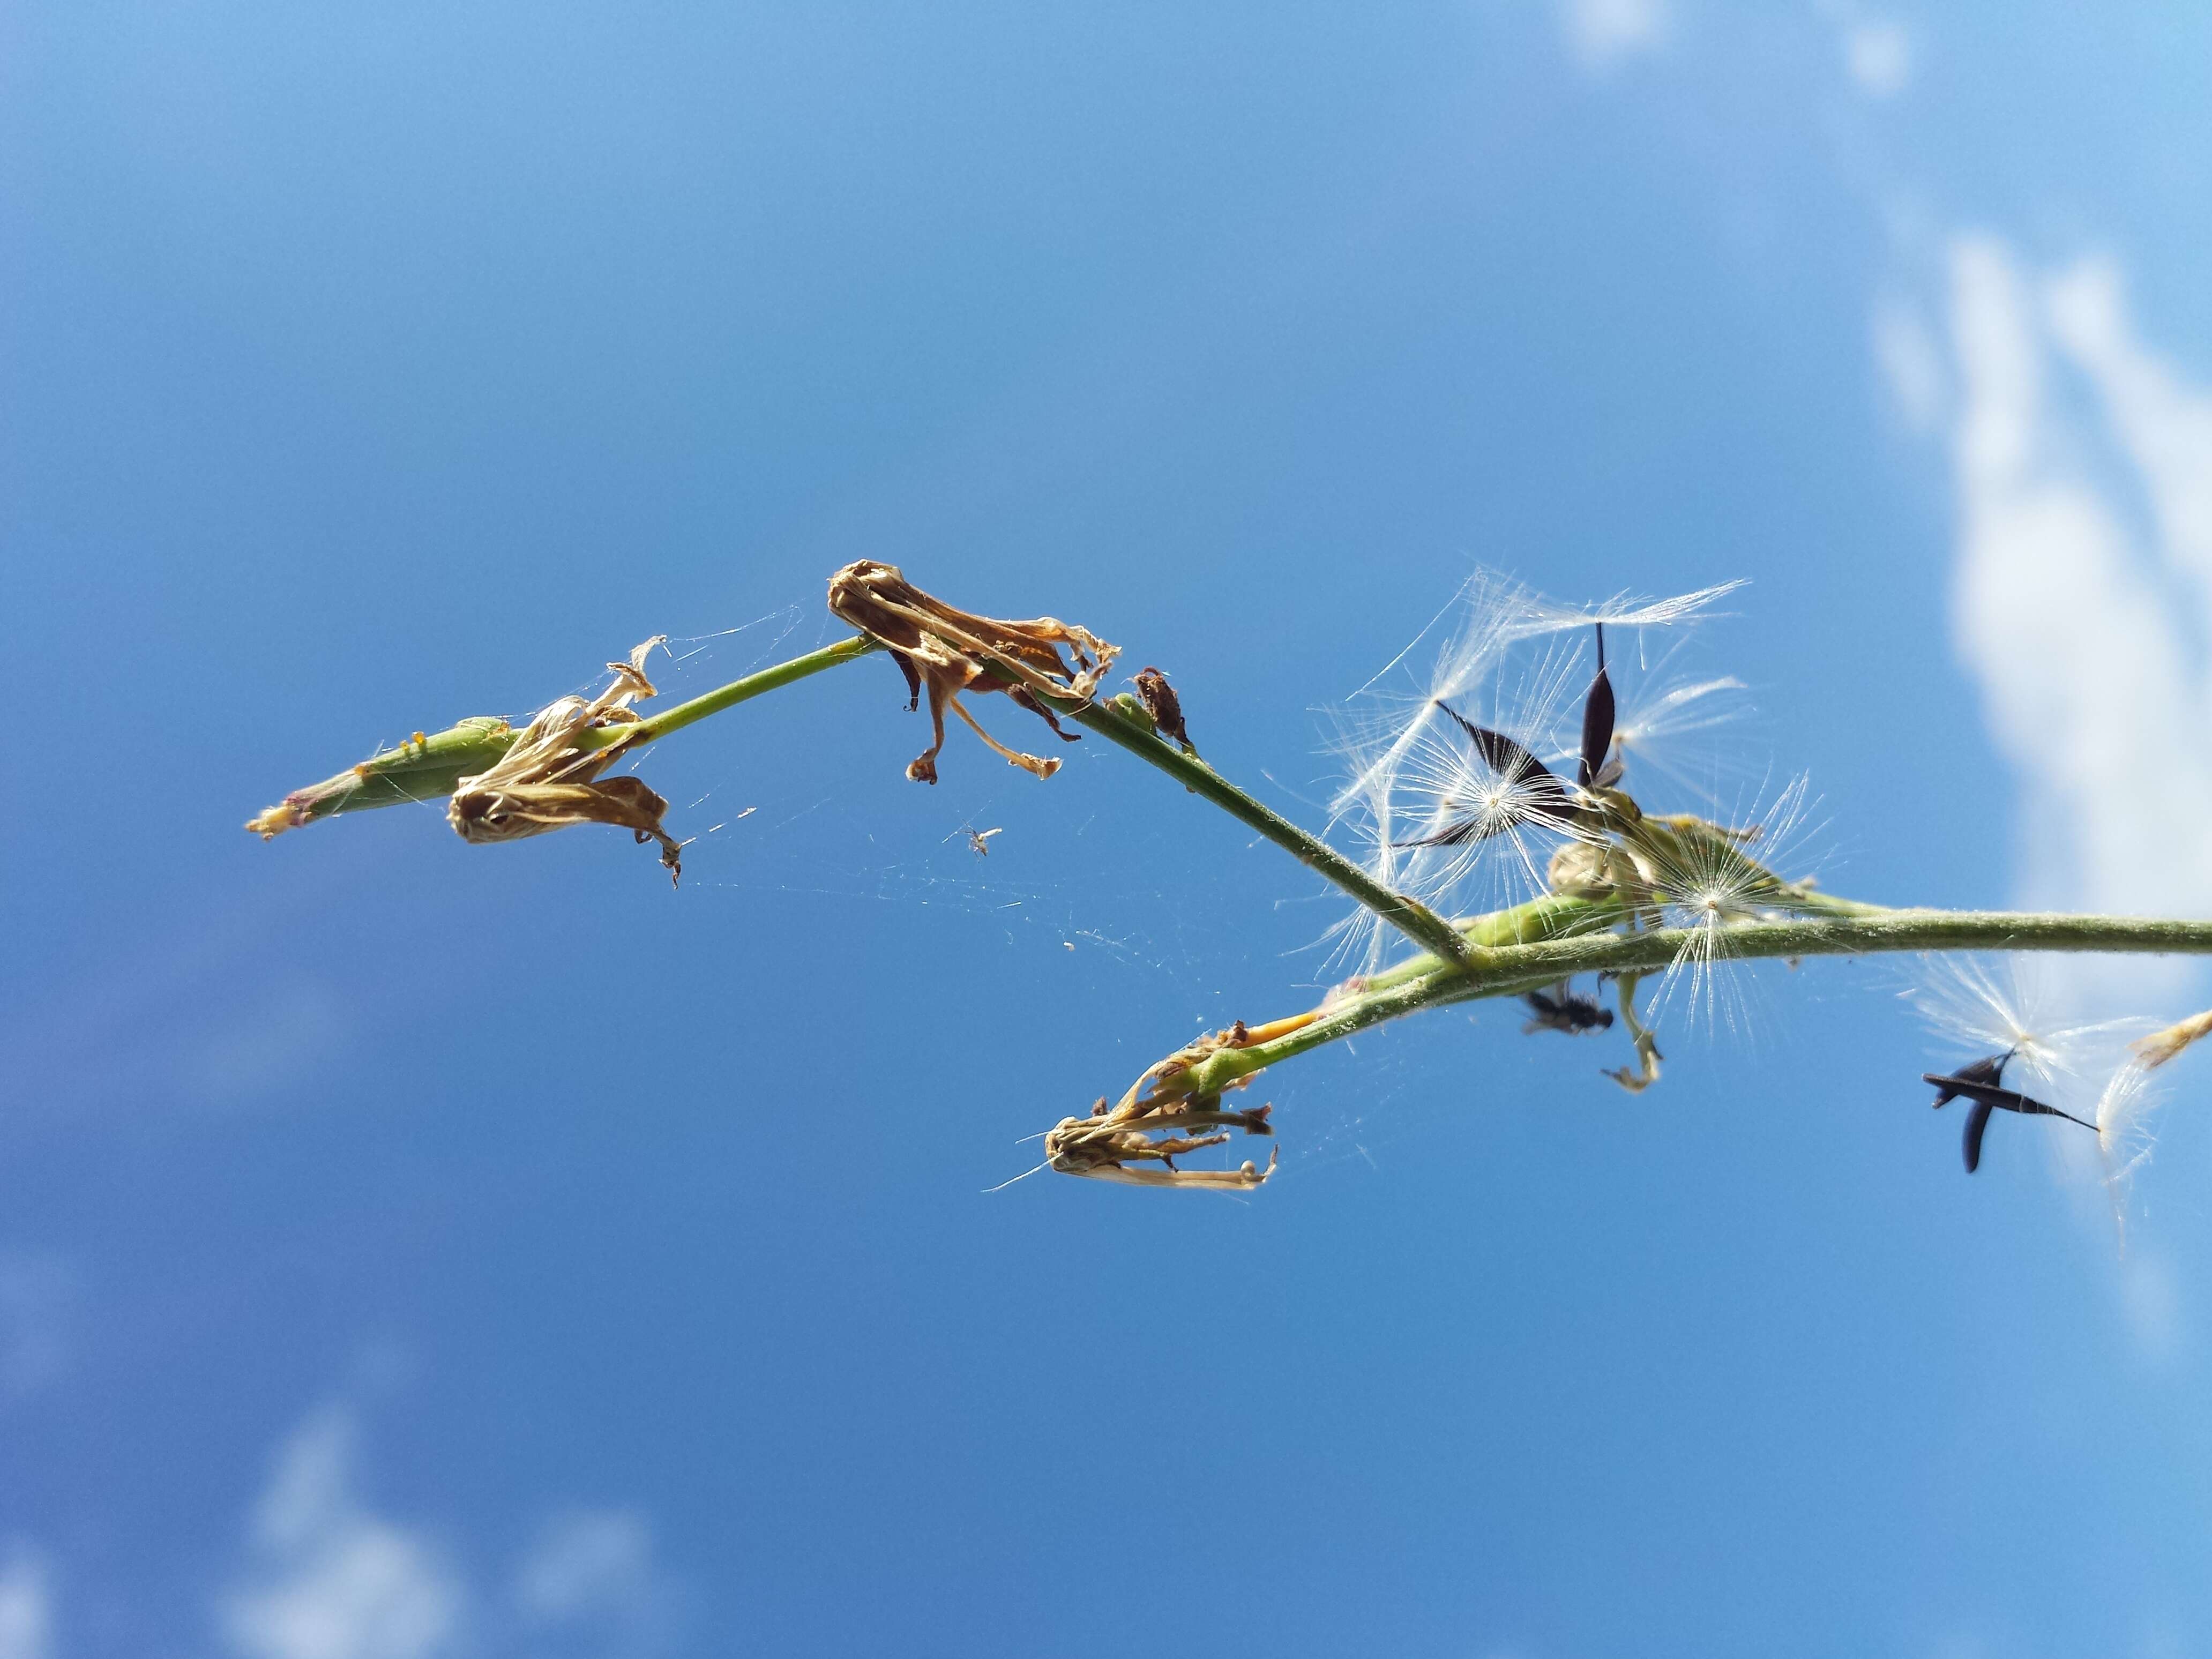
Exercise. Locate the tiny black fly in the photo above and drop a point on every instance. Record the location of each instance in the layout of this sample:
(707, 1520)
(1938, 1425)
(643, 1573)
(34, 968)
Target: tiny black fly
(1561, 1008)
(1982, 1083)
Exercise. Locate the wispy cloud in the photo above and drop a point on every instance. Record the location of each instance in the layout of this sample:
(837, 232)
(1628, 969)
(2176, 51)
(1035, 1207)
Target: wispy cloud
(594, 1572)
(27, 1605)
(328, 1577)
(2082, 587)
(331, 1580)
(1878, 55)
(1602, 32)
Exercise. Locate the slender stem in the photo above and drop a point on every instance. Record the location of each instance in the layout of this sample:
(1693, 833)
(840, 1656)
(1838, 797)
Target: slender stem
(1511, 969)
(727, 696)
(1408, 915)
(430, 767)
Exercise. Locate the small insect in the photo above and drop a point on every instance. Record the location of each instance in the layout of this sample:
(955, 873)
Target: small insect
(1561, 1008)
(978, 841)
(1164, 706)
(1982, 1083)
(1528, 792)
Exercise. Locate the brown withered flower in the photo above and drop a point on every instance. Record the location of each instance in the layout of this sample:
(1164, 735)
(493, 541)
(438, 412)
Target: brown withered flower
(1149, 1124)
(546, 782)
(1107, 1145)
(952, 650)
(1164, 706)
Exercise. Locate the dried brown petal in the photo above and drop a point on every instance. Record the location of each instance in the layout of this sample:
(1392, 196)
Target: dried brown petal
(1103, 1147)
(545, 783)
(952, 650)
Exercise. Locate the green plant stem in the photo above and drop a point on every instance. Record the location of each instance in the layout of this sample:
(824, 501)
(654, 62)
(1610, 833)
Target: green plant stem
(1559, 943)
(1408, 915)
(433, 767)
(727, 696)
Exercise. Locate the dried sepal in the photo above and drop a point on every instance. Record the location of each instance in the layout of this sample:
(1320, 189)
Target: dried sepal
(949, 650)
(545, 783)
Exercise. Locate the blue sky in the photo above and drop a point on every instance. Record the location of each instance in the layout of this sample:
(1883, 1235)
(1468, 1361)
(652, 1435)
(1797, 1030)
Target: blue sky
(416, 1250)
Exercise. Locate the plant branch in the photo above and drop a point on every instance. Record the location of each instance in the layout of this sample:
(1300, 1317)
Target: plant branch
(727, 696)
(1560, 943)
(1408, 915)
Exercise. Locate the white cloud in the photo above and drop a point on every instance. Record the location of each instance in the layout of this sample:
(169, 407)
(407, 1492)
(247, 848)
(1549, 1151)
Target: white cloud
(1911, 362)
(26, 1607)
(1878, 56)
(595, 1569)
(1600, 32)
(2085, 621)
(332, 1581)
(329, 1579)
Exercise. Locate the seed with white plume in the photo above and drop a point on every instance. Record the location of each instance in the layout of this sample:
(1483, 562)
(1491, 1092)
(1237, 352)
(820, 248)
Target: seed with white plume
(1709, 877)
(1436, 792)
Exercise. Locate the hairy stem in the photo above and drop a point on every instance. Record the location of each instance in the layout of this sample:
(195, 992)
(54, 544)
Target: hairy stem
(1557, 941)
(1408, 915)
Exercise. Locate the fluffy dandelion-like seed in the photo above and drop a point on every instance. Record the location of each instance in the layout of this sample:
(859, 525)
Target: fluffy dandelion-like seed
(1466, 780)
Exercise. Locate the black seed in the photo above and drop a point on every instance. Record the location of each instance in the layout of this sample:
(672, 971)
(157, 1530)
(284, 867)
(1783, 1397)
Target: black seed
(1597, 721)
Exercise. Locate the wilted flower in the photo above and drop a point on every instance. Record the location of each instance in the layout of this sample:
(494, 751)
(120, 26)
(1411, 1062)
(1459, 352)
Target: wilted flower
(1148, 1124)
(546, 782)
(953, 651)
(1104, 1148)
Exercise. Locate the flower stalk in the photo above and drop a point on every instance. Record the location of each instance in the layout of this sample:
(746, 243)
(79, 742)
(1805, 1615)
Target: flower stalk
(1549, 940)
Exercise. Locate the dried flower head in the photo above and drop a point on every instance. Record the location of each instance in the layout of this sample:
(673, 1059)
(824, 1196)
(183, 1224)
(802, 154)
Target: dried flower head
(952, 650)
(1149, 1124)
(545, 781)
(1107, 1146)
